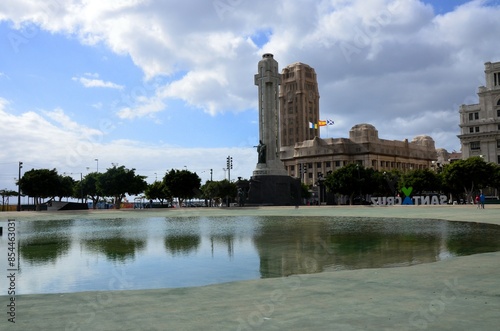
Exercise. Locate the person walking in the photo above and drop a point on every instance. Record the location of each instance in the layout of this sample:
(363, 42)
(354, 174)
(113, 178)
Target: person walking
(477, 201)
(481, 200)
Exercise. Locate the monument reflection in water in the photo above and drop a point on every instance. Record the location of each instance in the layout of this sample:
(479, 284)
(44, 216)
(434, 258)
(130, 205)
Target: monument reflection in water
(82, 255)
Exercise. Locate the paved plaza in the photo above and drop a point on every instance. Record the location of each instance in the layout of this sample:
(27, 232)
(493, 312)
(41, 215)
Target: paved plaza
(455, 294)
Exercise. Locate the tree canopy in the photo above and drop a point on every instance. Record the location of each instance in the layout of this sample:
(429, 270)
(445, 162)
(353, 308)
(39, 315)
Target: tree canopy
(468, 175)
(40, 184)
(421, 180)
(182, 184)
(352, 179)
(158, 191)
(116, 182)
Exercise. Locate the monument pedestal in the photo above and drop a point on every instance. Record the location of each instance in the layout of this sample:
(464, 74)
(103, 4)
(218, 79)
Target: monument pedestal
(274, 190)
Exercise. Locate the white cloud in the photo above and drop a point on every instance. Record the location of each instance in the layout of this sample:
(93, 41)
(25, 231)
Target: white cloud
(51, 139)
(93, 81)
(376, 61)
(143, 106)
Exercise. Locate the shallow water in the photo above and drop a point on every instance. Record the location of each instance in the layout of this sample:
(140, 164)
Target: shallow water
(112, 254)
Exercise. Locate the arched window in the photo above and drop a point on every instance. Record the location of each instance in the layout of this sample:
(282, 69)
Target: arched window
(498, 102)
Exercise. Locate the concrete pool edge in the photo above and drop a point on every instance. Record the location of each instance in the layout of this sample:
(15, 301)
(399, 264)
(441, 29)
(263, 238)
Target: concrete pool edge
(460, 293)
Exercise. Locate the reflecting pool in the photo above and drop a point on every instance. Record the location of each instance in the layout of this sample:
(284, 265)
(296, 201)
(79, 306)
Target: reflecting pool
(113, 254)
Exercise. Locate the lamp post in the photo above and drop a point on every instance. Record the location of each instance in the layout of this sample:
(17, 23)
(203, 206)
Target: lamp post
(19, 188)
(229, 164)
(97, 164)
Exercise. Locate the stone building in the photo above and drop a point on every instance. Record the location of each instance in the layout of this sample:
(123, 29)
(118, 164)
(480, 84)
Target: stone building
(299, 104)
(480, 123)
(316, 157)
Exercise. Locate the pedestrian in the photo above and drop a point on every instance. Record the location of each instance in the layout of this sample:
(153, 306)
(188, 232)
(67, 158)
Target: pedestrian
(481, 200)
(477, 201)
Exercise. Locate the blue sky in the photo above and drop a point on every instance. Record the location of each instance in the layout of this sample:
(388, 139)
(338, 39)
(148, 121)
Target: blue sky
(156, 85)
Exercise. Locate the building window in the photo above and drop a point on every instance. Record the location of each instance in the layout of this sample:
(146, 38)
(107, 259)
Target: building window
(318, 164)
(477, 128)
(309, 165)
(498, 143)
(475, 145)
(498, 112)
(471, 116)
(471, 130)
(310, 175)
(476, 116)
(496, 79)
(498, 159)
(328, 164)
(337, 164)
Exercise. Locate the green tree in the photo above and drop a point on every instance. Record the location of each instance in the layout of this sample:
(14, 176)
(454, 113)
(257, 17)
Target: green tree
(210, 190)
(220, 190)
(40, 184)
(227, 190)
(116, 182)
(351, 180)
(495, 178)
(182, 184)
(466, 176)
(66, 187)
(157, 191)
(304, 191)
(387, 182)
(421, 180)
(88, 186)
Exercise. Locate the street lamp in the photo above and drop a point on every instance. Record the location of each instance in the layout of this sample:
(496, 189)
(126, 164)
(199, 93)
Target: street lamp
(229, 164)
(97, 164)
(19, 188)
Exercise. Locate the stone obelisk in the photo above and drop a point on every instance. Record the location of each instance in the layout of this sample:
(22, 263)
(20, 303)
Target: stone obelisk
(270, 184)
(268, 80)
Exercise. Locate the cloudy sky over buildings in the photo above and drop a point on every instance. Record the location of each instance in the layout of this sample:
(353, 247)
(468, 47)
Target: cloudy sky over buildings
(156, 85)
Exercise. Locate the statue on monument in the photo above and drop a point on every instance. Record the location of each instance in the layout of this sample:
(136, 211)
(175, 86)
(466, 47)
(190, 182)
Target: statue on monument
(261, 151)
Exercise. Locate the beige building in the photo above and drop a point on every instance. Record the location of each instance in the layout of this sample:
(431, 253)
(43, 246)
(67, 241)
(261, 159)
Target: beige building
(319, 156)
(299, 104)
(301, 147)
(480, 123)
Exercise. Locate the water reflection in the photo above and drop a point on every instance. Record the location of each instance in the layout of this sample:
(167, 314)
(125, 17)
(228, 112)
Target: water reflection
(115, 239)
(45, 242)
(182, 235)
(182, 244)
(309, 246)
(115, 248)
(67, 256)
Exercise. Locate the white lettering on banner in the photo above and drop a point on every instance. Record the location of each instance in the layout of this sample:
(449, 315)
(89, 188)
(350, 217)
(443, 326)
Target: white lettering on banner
(417, 200)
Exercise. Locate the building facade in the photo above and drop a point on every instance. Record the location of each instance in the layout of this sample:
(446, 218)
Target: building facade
(480, 123)
(312, 159)
(299, 104)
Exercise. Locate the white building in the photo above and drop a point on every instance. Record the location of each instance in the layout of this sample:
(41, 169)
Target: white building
(480, 123)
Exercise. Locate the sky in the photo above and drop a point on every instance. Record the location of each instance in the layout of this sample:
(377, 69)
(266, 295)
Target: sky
(158, 85)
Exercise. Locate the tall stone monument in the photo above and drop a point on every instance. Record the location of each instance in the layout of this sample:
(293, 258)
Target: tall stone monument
(270, 184)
